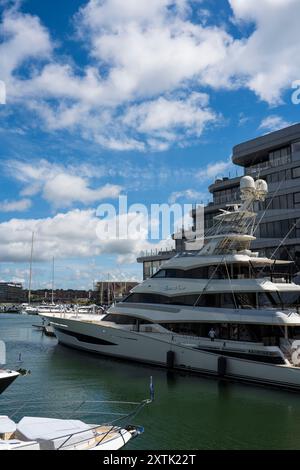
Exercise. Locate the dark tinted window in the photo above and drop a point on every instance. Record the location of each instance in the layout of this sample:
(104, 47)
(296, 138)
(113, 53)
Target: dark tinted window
(124, 319)
(228, 300)
(296, 172)
(162, 299)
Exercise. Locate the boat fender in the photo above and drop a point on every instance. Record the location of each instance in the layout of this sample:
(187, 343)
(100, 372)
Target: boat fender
(222, 366)
(170, 359)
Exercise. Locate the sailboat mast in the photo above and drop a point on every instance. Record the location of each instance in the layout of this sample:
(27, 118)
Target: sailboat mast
(52, 295)
(30, 269)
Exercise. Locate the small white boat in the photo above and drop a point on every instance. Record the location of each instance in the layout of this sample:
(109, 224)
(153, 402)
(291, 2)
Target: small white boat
(29, 310)
(59, 434)
(40, 433)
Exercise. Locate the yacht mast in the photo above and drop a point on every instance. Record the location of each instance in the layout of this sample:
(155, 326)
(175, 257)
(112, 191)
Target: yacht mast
(108, 290)
(30, 270)
(102, 287)
(52, 294)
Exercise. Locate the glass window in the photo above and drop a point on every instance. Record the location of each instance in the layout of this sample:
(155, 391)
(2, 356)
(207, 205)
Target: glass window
(296, 147)
(290, 201)
(161, 273)
(263, 230)
(121, 319)
(296, 172)
(297, 200)
(246, 300)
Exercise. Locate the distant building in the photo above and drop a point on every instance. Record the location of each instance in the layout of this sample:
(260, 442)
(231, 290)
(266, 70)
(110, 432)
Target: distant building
(107, 291)
(11, 293)
(274, 157)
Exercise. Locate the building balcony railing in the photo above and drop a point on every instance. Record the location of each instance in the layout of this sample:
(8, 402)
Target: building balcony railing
(156, 252)
(268, 164)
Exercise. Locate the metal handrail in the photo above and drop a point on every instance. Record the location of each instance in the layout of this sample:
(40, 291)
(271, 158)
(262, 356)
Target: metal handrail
(113, 423)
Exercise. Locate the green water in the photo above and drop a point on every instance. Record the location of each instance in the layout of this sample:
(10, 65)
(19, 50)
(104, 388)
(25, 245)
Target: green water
(189, 412)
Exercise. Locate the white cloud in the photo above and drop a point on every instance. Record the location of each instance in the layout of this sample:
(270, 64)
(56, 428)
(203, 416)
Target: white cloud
(214, 170)
(60, 185)
(66, 235)
(142, 56)
(268, 60)
(147, 48)
(15, 206)
(64, 189)
(24, 38)
(188, 195)
(165, 117)
(273, 123)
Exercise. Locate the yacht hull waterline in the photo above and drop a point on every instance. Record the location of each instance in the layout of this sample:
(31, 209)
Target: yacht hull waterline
(129, 345)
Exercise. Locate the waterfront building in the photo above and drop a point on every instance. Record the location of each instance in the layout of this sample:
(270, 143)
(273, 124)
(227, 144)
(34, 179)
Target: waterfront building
(274, 157)
(11, 293)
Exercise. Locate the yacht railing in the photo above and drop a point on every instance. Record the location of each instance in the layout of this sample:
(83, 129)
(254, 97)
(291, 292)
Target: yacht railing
(115, 426)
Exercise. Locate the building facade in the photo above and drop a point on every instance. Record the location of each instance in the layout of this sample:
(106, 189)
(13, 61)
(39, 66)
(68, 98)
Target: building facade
(274, 157)
(11, 293)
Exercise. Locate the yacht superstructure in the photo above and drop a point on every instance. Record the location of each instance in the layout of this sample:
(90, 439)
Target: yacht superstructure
(223, 310)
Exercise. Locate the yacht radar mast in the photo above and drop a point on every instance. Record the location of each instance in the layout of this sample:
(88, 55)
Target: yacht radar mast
(234, 227)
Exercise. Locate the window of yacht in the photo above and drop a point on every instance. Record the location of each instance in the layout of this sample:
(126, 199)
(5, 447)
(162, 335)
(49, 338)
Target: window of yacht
(148, 298)
(124, 319)
(294, 332)
(290, 299)
(219, 300)
(237, 271)
(279, 299)
(245, 300)
(268, 299)
(197, 273)
(224, 331)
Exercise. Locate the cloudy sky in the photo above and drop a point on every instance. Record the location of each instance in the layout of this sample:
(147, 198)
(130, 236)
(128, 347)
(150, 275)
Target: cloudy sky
(143, 98)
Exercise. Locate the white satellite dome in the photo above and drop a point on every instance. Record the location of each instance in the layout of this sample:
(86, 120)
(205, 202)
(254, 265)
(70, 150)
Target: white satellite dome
(247, 183)
(261, 188)
(261, 185)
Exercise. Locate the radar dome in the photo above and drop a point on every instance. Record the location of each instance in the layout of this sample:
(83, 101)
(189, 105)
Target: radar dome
(247, 183)
(261, 188)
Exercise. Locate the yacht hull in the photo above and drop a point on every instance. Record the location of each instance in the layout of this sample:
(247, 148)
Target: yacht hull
(146, 348)
(6, 379)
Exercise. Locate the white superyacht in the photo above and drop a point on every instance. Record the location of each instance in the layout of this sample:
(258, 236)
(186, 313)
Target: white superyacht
(224, 310)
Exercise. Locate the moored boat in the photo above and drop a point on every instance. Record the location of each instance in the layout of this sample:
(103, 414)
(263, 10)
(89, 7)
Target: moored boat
(39, 433)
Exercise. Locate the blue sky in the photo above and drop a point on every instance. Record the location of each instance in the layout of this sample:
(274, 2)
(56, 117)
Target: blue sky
(144, 99)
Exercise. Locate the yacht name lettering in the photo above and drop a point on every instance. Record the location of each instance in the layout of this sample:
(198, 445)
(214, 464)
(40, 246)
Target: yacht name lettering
(172, 288)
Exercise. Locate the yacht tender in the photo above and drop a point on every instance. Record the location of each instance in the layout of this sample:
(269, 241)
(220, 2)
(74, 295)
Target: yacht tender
(248, 301)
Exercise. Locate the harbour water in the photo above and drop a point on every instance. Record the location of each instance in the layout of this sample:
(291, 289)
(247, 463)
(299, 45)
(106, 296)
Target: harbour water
(189, 412)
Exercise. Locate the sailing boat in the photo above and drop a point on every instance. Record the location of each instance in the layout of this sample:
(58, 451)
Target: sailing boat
(28, 309)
